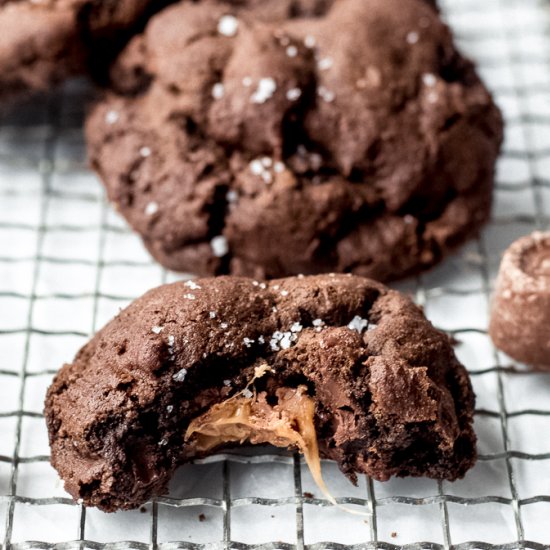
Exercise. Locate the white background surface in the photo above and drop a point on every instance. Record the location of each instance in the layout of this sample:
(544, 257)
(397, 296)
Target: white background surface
(68, 263)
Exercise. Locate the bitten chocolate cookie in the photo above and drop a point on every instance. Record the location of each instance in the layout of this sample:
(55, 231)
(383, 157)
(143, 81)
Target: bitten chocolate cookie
(336, 366)
(44, 41)
(520, 317)
(344, 135)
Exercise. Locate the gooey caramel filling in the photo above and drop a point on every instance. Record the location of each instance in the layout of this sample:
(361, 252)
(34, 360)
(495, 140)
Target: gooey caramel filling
(248, 417)
(240, 419)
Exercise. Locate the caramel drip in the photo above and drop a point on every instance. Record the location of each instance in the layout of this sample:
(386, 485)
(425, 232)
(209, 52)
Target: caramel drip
(240, 419)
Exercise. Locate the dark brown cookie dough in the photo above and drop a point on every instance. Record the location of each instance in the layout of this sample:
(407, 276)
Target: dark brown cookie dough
(352, 138)
(150, 391)
(520, 317)
(44, 41)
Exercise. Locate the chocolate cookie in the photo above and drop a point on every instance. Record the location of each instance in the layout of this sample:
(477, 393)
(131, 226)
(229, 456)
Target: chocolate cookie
(520, 317)
(347, 135)
(44, 41)
(336, 366)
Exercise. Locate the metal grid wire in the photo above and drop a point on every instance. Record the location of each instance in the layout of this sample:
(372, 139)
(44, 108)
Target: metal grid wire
(67, 263)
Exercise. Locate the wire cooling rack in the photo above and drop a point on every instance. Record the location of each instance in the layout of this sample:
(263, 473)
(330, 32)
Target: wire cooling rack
(68, 263)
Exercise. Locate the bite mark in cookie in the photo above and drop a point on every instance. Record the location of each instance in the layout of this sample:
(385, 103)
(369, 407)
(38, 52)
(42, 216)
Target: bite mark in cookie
(157, 385)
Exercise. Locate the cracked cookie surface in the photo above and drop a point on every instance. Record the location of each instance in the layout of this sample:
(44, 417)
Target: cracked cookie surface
(383, 386)
(272, 139)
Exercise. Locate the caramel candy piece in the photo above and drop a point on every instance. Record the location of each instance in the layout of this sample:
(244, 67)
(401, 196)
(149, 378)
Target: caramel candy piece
(520, 319)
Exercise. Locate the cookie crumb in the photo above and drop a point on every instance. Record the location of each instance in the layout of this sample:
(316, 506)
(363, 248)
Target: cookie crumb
(202, 517)
(228, 25)
(143, 510)
(307, 494)
(393, 535)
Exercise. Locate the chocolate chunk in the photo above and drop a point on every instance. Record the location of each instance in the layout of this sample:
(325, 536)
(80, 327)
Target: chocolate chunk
(520, 317)
(255, 138)
(338, 367)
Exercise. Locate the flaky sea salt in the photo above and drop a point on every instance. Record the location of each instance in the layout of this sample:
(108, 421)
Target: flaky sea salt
(157, 329)
(429, 79)
(151, 208)
(189, 296)
(192, 285)
(256, 167)
(293, 94)
(326, 94)
(145, 152)
(358, 324)
(282, 340)
(325, 63)
(218, 90)
(265, 90)
(248, 342)
(292, 51)
(111, 117)
(228, 25)
(169, 408)
(212, 314)
(219, 246)
(309, 41)
(412, 37)
(232, 196)
(180, 375)
(296, 327)
(247, 393)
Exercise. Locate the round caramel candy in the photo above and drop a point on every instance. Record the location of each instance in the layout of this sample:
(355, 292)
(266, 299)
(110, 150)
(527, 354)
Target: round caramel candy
(520, 318)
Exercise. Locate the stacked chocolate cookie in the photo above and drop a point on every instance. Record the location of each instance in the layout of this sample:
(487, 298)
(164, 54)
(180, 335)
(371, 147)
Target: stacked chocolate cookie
(268, 138)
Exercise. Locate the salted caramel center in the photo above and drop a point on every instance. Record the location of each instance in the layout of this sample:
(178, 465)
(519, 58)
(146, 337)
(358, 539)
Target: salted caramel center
(288, 423)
